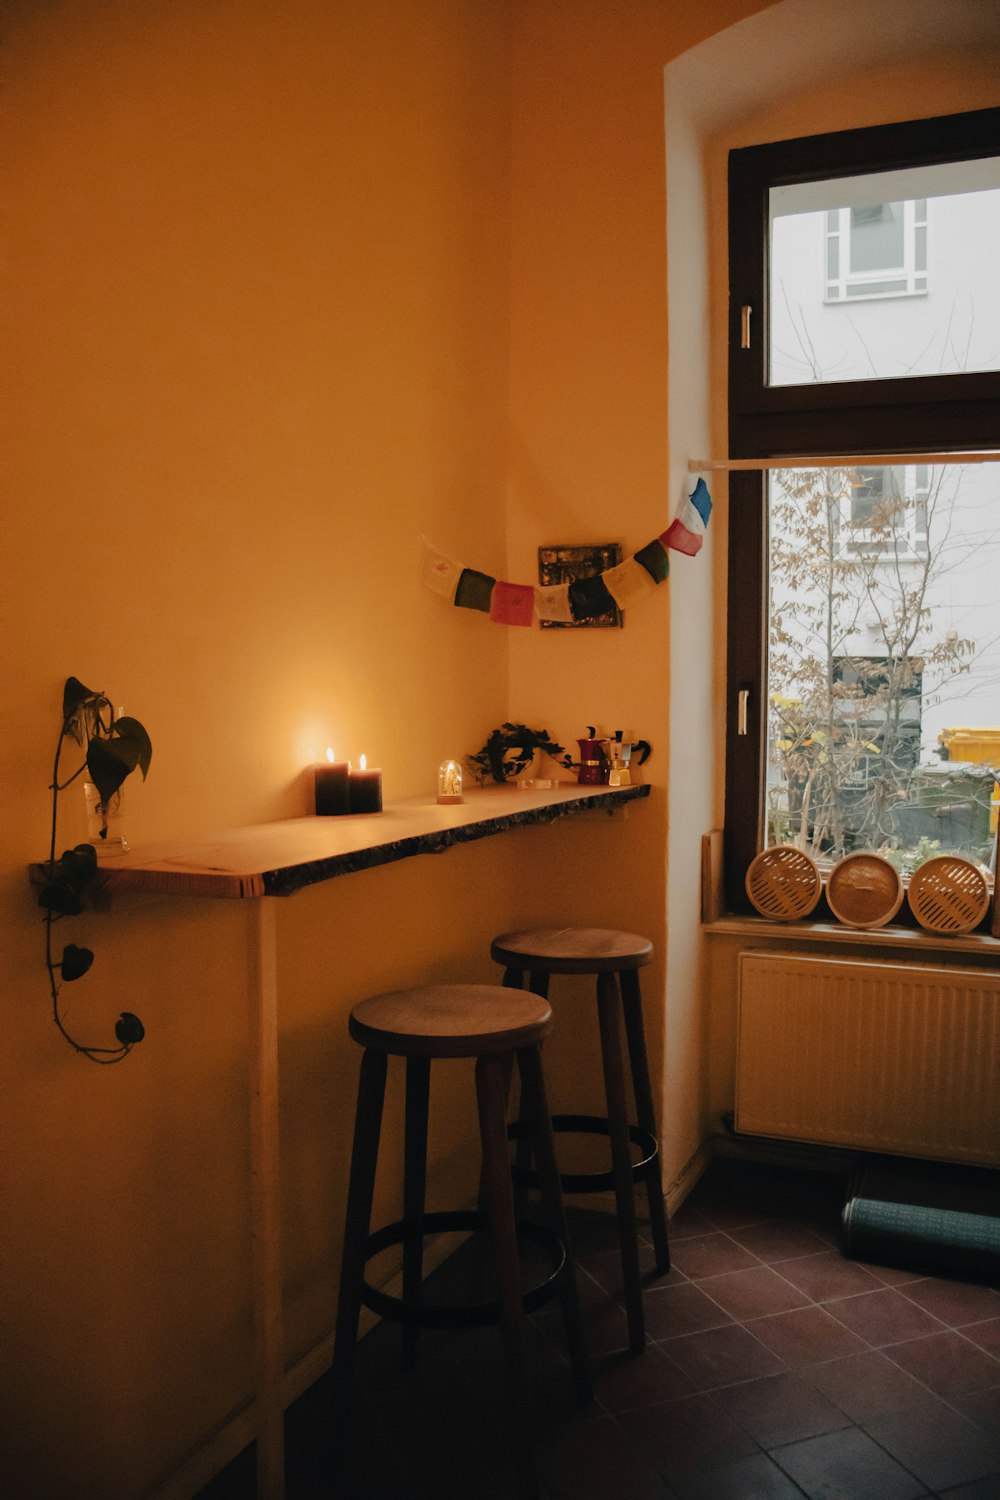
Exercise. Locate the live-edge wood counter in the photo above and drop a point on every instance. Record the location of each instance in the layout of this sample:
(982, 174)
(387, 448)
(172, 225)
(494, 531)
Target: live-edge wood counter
(277, 859)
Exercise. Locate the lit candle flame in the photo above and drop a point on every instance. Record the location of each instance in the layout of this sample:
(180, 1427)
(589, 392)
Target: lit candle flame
(364, 763)
(330, 755)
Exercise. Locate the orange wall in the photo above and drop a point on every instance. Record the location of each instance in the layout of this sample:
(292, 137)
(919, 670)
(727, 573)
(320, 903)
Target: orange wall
(259, 258)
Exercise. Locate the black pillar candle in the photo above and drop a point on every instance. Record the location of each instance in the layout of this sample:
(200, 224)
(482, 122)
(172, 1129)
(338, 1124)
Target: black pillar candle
(332, 787)
(365, 790)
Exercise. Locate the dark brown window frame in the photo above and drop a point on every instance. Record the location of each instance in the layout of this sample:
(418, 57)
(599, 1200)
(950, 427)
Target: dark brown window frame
(923, 413)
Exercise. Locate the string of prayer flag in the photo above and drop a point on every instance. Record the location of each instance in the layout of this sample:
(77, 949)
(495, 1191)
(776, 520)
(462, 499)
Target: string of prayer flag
(583, 598)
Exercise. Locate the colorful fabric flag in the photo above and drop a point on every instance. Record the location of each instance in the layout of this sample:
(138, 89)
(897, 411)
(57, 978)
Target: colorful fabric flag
(513, 604)
(553, 604)
(654, 559)
(686, 532)
(588, 598)
(628, 581)
(475, 590)
(439, 573)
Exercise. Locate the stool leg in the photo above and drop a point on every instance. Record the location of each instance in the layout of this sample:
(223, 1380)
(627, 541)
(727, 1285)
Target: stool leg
(535, 1108)
(418, 1078)
(364, 1159)
(645, 1114)
(496, 1178)
(512, 979)
(621, 1156)
(538, 983)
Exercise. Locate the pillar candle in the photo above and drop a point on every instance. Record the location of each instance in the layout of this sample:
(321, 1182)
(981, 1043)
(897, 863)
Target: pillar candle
(332, 787)
(365, 790)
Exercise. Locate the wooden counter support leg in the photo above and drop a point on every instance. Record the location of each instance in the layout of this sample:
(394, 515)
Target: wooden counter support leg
(265, 1202)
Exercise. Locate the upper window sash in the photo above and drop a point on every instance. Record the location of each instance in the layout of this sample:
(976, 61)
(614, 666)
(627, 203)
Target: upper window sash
(956, 410)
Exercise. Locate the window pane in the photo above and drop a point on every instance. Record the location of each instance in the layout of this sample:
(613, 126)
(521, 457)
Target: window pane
(934, 230)
(884, 660)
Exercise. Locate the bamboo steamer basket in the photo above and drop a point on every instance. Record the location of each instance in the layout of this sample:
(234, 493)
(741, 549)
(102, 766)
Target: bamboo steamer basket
(783, 883)
(948, 894)
(864, 890)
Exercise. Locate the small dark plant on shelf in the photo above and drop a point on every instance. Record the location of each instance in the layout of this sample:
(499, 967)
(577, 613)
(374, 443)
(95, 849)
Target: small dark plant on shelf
(509, 750)
(114, 748)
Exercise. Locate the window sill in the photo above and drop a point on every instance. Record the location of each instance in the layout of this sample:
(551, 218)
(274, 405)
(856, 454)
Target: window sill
(891, 936)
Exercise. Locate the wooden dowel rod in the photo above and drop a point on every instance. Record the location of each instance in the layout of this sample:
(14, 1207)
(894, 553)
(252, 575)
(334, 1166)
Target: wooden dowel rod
(836, 461)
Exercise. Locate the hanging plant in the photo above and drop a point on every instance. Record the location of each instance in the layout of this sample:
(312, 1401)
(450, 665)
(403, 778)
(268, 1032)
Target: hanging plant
(114, 749)
(509, 750)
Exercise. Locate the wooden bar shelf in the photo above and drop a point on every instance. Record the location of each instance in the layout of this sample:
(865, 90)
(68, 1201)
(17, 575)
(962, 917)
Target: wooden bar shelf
(277, 859)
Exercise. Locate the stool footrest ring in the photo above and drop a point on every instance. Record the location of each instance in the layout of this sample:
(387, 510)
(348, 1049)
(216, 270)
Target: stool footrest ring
(440, 1315)
(590, 1182)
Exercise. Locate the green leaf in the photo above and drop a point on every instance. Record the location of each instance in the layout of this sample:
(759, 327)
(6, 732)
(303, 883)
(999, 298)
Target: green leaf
(109, 762)
(129, 1029)
(75, 962)
(131, 730)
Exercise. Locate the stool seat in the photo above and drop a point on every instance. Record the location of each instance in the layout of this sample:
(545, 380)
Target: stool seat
(572, 950)
(450, 1020)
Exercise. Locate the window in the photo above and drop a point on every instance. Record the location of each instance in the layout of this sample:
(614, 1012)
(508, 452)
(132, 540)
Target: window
(876, 250)
(864, 625)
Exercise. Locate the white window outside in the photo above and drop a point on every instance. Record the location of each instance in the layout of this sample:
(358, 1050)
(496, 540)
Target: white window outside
(876, 250)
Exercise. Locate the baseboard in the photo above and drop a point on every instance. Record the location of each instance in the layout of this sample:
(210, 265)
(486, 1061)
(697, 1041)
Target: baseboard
(797, 1155)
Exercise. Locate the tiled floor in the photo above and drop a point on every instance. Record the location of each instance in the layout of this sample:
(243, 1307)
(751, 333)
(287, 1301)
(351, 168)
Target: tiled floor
(776, 1370)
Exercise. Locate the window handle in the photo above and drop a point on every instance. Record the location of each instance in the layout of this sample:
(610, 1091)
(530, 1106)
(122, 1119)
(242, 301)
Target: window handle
(742, 711)
(745, 312)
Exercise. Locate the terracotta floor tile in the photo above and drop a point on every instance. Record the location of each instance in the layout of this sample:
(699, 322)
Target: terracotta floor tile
(883, 1317)
(891, 1275)
(986, 1335)
(682, 1437)
(866, 1385)
(592, 1462)
(688, 1221)
(756, 1478)
(711, 1255)
(686, 1308)
(753, 1293)
(948, 1363)
(954, 1302)
(624, 1381)
(807, 1336)
(606, 1269)
(783, 1409)
(981, 1407)
(938, 1444)
(721, 1356)
(774, 1243)
(828, 1275)
(847, 1465)
(979, 1489)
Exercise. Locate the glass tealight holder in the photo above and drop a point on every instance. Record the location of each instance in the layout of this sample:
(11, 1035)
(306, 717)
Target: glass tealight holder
(450, 782)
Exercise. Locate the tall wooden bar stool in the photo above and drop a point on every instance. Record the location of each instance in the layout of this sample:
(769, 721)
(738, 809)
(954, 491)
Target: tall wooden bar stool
(495, 1026)
(615, 958)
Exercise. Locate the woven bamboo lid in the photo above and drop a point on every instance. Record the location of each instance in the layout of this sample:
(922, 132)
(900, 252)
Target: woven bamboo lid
(864, 890)
(783, 883)
(948, 894)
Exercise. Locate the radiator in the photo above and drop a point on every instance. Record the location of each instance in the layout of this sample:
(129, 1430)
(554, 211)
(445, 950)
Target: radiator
(900, 1058)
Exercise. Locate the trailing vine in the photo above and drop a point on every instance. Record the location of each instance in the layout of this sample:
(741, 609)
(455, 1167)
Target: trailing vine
(511, 748)
(114, 748)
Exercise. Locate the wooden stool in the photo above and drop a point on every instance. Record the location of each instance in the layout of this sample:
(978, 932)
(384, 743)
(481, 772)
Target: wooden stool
(615, 958)
(494, 1026)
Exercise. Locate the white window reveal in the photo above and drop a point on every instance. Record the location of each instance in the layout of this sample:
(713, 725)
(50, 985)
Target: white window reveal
(876, 250)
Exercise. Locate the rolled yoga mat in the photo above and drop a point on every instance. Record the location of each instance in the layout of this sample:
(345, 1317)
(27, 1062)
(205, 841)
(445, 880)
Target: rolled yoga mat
(929, 1216)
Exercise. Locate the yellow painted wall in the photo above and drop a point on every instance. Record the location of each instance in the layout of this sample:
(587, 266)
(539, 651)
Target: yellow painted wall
(255, 324)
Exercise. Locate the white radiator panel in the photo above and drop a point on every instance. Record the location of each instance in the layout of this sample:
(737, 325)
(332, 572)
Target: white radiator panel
(901, 1058)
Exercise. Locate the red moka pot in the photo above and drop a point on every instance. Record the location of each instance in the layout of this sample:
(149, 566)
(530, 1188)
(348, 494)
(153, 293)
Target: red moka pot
(593, 768)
